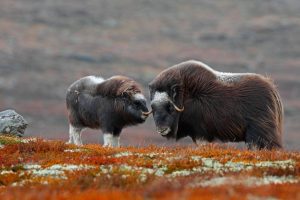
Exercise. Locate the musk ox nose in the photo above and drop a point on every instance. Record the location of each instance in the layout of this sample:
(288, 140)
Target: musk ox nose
(163, 130)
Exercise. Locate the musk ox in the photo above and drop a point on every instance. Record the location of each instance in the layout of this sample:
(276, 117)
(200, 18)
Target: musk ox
(109, 105)
(192, 99)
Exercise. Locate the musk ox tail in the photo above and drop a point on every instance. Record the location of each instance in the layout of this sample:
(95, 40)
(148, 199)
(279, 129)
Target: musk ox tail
(279, 113)
(266, 129)
(71, 99)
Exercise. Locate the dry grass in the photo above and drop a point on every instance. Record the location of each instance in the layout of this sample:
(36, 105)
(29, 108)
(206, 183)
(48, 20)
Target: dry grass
(39, 169)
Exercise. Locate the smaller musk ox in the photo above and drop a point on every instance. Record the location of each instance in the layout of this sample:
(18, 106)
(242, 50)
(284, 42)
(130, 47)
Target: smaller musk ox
(109, 105)
(192, 99)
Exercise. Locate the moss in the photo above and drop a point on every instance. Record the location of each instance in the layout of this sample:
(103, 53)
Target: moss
(7, 139)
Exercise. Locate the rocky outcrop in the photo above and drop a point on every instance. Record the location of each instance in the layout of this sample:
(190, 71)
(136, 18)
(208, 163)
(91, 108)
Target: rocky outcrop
(12, 123)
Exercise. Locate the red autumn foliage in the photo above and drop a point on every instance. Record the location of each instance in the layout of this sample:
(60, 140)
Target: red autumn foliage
(123, 176)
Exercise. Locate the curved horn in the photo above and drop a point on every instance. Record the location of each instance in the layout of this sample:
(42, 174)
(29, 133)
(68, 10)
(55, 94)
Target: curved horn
(147, 113)
(177, 108)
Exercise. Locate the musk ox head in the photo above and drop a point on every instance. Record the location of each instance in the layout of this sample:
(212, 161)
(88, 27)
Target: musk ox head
(166, 95)
(136, 108)
(132, 102)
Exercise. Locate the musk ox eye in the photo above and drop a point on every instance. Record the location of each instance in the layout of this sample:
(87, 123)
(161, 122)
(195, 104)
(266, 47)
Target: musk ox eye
(154, 106)
(170, 108)
(137, 104)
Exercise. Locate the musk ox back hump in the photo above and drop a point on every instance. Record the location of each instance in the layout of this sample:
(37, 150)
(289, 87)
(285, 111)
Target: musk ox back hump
(117, 86)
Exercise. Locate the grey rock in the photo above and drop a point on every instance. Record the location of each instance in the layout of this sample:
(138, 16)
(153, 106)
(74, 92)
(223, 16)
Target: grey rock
(12, 123)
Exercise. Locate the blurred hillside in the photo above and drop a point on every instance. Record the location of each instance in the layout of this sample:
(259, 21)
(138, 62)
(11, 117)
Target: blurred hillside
(45, 45)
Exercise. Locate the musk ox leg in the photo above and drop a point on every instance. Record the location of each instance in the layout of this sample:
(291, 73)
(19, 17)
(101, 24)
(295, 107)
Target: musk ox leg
(71, 139)
(201, 142)
(75, 135)
(255, 141)
(259, 138)
(111, 140)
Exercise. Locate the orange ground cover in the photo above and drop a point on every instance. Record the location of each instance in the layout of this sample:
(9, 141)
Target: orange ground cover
(39, 169)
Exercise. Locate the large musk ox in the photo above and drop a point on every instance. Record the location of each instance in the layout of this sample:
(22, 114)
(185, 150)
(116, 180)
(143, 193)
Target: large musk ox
(192, 99)
(110, 105)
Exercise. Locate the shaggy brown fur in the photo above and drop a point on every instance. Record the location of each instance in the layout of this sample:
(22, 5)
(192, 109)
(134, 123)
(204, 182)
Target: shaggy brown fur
(223, 106)
(118, 86)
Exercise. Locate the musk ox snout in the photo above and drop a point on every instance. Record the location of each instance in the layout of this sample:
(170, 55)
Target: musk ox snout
(163, 130)
(165, 119)
(138, 107)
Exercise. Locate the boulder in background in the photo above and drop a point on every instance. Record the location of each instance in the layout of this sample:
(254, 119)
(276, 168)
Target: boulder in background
(12, 123)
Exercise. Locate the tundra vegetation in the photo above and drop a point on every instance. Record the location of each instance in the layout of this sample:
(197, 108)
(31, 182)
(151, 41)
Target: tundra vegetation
(33, 168)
